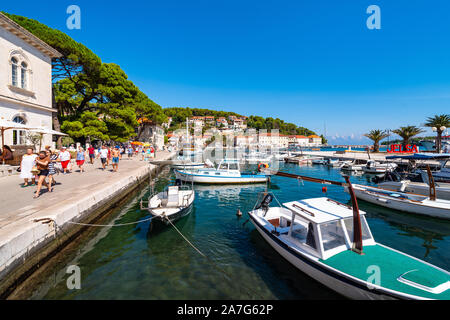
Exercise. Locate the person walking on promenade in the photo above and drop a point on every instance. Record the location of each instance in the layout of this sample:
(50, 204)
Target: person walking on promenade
(116, 156)
(152, 152)
(64, 157)
(148, 153)
(91, 151)
(108, 159)
(42, 165)
(26, 165)
(81, 158)
(103, 154)
(130, 152)
(51, 167)
(142, 153)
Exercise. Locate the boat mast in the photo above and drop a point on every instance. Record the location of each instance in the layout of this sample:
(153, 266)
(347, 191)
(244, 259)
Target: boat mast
(431, 184)
(357, 229)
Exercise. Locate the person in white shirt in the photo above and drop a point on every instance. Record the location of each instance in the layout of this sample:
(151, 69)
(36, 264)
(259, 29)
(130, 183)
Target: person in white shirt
(103, 154)
(64, 157)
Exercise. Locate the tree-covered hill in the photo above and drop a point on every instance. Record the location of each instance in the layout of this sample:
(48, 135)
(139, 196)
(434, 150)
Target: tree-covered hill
(179, 116)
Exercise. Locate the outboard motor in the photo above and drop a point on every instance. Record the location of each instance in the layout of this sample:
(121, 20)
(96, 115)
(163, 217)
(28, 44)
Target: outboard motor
(264, 204)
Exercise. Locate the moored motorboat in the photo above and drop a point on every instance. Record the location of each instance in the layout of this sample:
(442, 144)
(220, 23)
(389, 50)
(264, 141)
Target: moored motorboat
(227, 172)
(352, 166)
(376, 167)
(403, 201)
(332, 243)
(171, 204)
(319, 160)
(442, 189)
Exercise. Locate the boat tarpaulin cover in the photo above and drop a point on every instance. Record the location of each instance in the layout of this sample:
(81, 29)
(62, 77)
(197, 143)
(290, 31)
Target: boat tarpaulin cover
(422, 156)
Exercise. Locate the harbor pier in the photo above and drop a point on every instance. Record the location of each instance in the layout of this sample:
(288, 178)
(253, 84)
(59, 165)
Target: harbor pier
(29, 228)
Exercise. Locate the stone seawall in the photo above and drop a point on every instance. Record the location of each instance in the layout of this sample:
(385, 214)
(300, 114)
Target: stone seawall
(27, 243)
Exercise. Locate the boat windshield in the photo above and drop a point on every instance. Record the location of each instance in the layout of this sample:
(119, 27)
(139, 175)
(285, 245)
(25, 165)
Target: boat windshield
(223, 166)
(332, 235)
(304, 234)
(365, 229)
(233, 166)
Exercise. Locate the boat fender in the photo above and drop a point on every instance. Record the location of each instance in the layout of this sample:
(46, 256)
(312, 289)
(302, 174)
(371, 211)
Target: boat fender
(324, 189)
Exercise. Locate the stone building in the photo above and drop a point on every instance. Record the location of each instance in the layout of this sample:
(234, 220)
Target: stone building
(25, 81)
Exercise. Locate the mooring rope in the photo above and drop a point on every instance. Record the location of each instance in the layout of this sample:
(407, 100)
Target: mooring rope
(110, 225)
(213, 263)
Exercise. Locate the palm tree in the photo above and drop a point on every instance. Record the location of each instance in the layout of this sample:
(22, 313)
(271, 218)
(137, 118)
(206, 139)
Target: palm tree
(376, 136)
(407, 133)
(438, 122)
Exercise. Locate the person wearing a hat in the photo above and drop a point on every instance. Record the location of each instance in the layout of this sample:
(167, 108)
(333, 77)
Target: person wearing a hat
(64, 157)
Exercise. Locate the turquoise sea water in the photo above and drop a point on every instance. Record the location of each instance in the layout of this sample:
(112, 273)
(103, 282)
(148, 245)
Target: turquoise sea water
(139, 262)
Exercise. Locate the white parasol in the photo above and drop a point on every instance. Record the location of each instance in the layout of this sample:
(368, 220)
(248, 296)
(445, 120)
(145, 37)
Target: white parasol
(43, 130)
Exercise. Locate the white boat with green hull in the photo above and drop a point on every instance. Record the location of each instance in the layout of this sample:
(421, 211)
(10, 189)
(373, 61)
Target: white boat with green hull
(332, 243)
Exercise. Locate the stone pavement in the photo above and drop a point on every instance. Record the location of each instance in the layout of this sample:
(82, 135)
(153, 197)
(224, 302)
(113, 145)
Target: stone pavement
(17, 202)
(75, 197)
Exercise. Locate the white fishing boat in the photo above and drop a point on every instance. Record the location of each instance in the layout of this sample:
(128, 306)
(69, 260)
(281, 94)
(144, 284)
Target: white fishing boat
(407, 202)
(256, 157)
(227, 172)
(173, 203)
(187, 163)
(319, 160)
(333, 163)
(332, 243)
(376, 167)
(442, 188)
(352, 166)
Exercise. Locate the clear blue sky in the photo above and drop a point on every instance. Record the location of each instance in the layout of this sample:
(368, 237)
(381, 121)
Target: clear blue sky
(310, 62)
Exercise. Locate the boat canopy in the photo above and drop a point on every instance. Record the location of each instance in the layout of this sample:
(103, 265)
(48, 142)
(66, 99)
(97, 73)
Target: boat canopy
(315, 210)
(422, 156)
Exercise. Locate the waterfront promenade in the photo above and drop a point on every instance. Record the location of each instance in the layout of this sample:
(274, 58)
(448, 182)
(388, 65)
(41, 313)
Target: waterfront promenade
(74, 198)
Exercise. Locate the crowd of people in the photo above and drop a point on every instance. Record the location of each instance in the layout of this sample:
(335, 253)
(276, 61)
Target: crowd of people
(40, 169)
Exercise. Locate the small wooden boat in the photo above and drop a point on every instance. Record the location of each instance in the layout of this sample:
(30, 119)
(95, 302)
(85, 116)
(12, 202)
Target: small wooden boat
(173, 203)
(332, 243)
(228, 172)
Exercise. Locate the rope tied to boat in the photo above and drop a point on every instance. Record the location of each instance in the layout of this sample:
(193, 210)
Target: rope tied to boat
(48, 220)
(212, 262)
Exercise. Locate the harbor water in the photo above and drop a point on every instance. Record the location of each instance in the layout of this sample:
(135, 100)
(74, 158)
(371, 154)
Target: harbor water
(150, 261)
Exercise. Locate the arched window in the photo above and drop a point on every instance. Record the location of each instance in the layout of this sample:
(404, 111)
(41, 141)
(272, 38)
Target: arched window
(23, 75)
(19, 135)
(14, 75)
